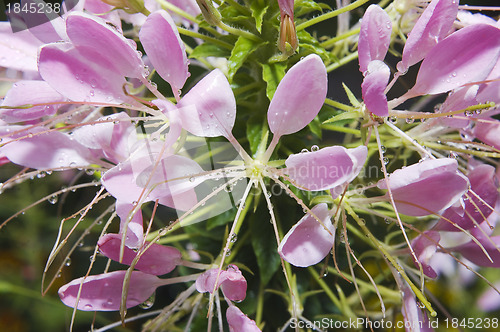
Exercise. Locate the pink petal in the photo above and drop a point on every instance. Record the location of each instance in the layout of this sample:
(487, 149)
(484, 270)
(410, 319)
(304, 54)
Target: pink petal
(239, 322)
(488, 131)
(172, 175)
(299, 96)
(111, 136)
(105, 11)
(433, 25)
(325, 168)
(308, 242)
(92, 33)
(135, 228)
(47, 27)
(156, 260)
(490, 299)
(29, 92)
(209, 108)
(103, 292)
(373, 88)
(465, 56)
(120, 181)
(180, 201)
(374, 37)
(427, 187)
(425, 246)
(234, 285)
(459, 100)
(18, 50)
(474, 253)
(484, 184)
(45, 150)
(165, 48)
(75, 77)
(415, 319)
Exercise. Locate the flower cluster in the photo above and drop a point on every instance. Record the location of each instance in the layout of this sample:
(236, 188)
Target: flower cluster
(168, 108)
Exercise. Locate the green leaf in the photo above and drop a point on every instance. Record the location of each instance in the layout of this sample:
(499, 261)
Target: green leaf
(310, 43)
(242, 49)
(207, 49)
(258, 8)
(352, 99)
(343, 116)
(315, 127)
(303, 7)
(254, 132)
(272, 73)
(264, 247)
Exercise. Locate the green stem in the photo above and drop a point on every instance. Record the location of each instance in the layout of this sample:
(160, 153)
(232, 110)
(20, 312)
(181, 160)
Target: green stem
(212, 40)
(329, 15)
(341, 129)
(341, 62)
(238, 32)
(338, 105)
(331, 42)
(325, 287)
(391, 259)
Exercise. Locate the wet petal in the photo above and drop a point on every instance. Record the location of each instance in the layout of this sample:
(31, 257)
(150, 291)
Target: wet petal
(433, 25)
(92, 33)
(325, 168)
(308, 242)
(427, 187)
(135, 228)
(165, 49)
(156, 260)
(234, 285)
(374, 37)
(209, 108)
(239, 322)
(425, 246)
(103, 292)
(465, 56)
(299, 96)
(373, 87)
(109, 134)
(484, 184)
(46, 150)
(474, 253)
(18, 50)
(76, 78)
(488, 131)
(29, 92)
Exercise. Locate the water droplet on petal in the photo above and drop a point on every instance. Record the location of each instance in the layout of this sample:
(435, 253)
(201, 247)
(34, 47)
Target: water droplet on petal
(149, 302)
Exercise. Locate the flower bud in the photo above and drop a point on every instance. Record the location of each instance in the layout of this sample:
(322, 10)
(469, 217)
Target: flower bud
(288, 41)
(209, 12)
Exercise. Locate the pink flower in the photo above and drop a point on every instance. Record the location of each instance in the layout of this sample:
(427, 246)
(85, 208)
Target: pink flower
(232, 282)
(239, 322)
(433, 25)
(327, 168)
(374, 37)
(373, 87)
(425, 246)
(156, 260)
(309, 241)
(103, 292)
(483, 183)
(427, 187)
